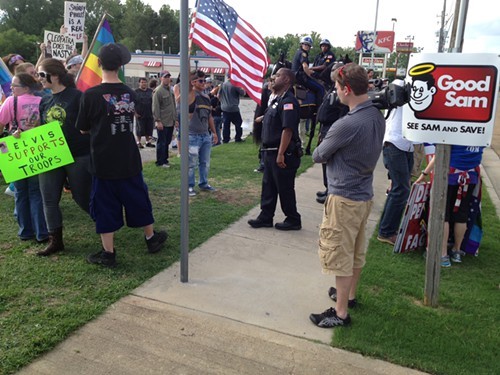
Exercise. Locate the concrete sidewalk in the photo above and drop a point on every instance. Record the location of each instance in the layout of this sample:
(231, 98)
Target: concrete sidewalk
(244, 310)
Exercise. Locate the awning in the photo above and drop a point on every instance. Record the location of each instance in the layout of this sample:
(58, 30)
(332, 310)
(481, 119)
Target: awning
(219, 70)
(205, 69)
(152, 63)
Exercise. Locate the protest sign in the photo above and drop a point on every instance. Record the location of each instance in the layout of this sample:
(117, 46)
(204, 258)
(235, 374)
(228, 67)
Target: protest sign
(60, 46)
(38, 150)
(74, 19)
(412, 232)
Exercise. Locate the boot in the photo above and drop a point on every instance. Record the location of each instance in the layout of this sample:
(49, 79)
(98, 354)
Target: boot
(55, 243)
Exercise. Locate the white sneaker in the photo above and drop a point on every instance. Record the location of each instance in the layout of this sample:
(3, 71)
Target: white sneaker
(10, 192)
(191, 192)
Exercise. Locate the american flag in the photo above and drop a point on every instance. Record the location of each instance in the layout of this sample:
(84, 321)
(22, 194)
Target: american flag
(220, 32)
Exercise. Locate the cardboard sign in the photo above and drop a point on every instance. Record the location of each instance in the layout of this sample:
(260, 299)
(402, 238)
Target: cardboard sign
(453, 98)
(38, 150)
(60, 46)
(74, 19)
(412, 232)
(378, 42)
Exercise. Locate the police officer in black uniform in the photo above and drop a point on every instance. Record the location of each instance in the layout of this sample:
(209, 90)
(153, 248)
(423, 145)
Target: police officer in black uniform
(323, 59)
(281, 152)
(303, 74)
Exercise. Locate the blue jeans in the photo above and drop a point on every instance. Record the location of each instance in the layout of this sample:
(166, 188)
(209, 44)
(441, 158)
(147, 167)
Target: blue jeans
(399, 165)
(51, 187)
(164, 139)
(227, 119)
(218, 123)
(29, 208)
(200, 148)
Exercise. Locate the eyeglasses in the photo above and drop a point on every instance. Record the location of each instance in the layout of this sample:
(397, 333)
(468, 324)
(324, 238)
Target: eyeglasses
(44, 75)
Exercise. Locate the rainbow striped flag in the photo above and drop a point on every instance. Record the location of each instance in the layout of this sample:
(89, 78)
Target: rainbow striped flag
(90, 74)
(5, 74)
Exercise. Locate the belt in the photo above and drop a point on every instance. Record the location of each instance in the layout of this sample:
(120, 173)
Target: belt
(387, 144)
(270, 149)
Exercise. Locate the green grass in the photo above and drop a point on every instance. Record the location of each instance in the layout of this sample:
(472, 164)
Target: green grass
(460, 336)
(43, 300)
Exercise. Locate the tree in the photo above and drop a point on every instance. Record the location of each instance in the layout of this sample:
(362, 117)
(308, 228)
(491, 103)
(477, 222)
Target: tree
(13, 41)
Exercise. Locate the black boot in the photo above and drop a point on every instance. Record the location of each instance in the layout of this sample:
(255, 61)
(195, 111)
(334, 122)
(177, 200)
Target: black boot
(55, 243)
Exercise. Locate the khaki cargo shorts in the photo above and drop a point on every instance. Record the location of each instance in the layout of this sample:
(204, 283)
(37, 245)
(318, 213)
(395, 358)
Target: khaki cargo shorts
(342, 242)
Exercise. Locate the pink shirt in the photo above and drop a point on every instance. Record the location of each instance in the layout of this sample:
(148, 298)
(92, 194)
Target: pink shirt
(28, 112)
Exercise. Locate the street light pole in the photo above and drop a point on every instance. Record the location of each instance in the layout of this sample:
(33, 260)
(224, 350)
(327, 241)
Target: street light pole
(163, 37)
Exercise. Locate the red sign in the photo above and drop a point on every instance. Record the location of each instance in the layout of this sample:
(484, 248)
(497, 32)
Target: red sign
(412, 232)
(205, 69)
(152, 63)
(219, 70)
(404, 47)
(462, 93)
(382, 42)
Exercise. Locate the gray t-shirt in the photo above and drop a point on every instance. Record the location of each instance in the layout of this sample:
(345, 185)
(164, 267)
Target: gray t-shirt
(200, 111)
(229, 96)
(351, 150)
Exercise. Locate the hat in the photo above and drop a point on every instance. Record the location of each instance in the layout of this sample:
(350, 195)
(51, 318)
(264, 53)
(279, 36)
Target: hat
(209, 80)
(165, 73)
(78, 59)
(114, 55)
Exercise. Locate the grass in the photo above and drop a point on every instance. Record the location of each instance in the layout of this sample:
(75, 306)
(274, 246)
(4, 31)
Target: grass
(461, 336)
(43, 300)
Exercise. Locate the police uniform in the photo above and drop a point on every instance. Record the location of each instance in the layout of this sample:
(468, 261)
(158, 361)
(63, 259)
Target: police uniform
(283, 112)
(323, 58)
(301, 57)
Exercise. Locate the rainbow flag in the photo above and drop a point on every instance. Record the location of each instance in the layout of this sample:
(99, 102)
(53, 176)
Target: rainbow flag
(90, 74)
(5, 74)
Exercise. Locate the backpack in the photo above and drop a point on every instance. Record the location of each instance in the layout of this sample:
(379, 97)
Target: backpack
(331, 109)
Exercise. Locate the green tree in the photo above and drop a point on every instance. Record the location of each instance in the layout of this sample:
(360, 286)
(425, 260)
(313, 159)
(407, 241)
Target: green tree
(168, 25)
(138, 25)
(13, 41)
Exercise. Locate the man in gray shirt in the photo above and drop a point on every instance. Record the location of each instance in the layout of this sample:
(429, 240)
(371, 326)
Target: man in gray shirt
(229, 96)
(351, 150)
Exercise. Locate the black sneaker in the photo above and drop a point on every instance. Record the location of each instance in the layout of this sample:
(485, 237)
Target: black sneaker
(155, 243)
(329, 319)
(332, 292)
(103, 258)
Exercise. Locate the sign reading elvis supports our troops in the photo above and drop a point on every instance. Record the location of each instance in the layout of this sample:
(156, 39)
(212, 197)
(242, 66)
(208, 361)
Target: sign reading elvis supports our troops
(453, 98)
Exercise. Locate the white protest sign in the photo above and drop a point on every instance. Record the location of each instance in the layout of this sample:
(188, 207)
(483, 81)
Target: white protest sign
(74, 19)
(453, 98)
(60, 46)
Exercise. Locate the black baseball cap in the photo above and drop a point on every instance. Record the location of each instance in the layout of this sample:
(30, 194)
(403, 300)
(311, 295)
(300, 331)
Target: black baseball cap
(114, 55)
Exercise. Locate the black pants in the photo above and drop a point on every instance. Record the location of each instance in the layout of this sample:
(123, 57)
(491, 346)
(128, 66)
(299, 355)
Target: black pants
(280, 182)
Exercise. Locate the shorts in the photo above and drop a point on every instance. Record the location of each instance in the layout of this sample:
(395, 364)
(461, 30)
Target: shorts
(144, 127)
(110, 197)
(463, 211)
(342, 241)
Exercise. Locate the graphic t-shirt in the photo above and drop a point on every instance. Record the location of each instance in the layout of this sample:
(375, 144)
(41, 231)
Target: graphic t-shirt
(107, 111)
(64, 107)
(28, 111)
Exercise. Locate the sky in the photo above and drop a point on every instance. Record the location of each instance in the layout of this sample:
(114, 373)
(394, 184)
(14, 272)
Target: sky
(340, 20)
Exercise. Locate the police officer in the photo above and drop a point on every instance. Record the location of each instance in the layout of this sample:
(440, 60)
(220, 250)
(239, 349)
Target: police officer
(281, 152)
(323, 59)
(303, 74)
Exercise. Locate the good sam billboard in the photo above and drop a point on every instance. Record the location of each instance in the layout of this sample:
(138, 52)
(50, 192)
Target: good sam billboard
(453, 98)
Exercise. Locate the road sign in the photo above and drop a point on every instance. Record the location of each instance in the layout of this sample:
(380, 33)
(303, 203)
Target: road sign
(404, 47)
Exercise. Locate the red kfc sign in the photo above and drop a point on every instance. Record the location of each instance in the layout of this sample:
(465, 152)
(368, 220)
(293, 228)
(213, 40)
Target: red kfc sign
(379, 42)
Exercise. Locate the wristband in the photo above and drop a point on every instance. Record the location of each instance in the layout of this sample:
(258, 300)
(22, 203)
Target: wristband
(424, 173)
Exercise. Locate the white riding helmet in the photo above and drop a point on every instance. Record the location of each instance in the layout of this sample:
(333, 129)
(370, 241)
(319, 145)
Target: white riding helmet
(306, 40)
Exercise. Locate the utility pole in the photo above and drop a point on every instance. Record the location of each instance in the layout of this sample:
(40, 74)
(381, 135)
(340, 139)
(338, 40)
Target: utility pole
(442, 37)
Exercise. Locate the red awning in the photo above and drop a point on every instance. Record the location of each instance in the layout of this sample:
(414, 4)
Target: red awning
(219, 70)
(152, 63)
(205, 69)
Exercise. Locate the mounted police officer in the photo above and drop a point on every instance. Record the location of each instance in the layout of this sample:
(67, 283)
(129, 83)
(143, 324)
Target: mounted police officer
(281, 149)
(303, 74)
(324, 60)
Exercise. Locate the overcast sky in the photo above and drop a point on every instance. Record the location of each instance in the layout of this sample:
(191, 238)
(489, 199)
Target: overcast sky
(340, 20)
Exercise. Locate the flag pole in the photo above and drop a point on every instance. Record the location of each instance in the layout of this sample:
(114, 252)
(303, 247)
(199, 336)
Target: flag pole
(91, 45)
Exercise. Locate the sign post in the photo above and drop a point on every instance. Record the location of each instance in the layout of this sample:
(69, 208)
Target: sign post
(452, 102)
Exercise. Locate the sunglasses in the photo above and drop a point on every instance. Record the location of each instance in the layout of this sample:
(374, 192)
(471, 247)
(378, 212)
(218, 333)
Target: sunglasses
(199, 80)
(44, 75)
(342, 75)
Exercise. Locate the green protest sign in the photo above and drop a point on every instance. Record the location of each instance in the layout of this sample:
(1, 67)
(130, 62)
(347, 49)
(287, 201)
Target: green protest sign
(37, 150)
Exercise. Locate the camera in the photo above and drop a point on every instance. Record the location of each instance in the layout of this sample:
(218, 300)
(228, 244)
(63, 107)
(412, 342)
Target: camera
(389, 96)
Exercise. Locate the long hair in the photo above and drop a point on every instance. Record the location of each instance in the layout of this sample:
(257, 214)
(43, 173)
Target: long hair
(27, 80)
(55, 67)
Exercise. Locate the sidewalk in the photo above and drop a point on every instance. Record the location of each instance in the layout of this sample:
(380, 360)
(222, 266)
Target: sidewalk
(244, 310)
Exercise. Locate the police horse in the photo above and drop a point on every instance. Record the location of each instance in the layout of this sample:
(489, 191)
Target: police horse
(306, 97)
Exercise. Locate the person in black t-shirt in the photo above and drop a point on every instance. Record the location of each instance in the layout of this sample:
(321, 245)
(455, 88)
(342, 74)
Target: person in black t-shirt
(144, 113)
(107, 113)
(62, 105)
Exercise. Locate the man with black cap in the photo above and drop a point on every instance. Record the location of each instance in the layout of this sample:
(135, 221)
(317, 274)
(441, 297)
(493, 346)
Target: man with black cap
(107, 113)
(165, 116)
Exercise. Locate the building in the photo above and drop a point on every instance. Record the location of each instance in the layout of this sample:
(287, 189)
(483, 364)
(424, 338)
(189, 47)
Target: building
(150, 63)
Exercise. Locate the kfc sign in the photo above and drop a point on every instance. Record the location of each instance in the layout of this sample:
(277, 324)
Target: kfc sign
(379, 42)
(452, 98)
